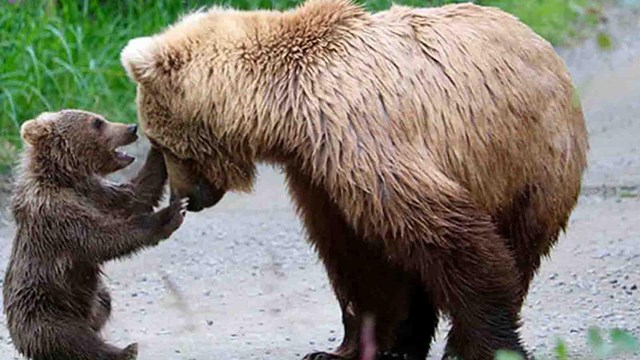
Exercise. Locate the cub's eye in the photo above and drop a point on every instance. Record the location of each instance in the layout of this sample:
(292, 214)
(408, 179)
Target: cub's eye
(98, 123)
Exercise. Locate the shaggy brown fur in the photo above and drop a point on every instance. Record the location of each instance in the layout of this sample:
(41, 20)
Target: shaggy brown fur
(434, 154)
(70, 221)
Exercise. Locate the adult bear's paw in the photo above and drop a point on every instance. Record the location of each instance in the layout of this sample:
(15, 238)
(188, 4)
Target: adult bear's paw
(322, 356)
(392, 355)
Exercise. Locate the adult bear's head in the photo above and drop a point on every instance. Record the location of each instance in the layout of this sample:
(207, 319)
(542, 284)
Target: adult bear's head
(190, 105)
(222, 89)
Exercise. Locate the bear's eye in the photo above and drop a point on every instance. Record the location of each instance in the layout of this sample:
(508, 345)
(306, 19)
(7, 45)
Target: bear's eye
(97, 123)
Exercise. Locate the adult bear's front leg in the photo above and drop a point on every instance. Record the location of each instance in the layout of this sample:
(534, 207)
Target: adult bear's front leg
(329, 233)
(415, 334)
(364, 281)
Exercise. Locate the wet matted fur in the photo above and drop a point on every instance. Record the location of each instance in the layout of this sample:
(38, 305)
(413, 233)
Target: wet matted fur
(434, 154)
(70, 220)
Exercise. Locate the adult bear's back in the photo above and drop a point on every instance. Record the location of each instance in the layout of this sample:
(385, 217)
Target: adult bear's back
(470, 88)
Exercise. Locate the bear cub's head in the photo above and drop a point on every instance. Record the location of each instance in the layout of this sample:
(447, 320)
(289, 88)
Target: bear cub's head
(76, 144)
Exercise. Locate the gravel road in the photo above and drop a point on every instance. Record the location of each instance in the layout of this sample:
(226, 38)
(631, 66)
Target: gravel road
(239, 281)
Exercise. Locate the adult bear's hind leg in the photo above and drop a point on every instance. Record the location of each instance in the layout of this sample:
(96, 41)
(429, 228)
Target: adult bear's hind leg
(470, 272)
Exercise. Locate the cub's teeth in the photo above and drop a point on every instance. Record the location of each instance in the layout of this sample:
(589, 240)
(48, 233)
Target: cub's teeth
(122, 155)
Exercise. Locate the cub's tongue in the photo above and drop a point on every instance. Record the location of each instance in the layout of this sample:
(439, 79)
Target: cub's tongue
(123, 156)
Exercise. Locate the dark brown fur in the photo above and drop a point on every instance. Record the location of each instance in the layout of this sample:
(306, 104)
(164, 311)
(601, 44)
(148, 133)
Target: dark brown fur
(434, 154)
(70, 220)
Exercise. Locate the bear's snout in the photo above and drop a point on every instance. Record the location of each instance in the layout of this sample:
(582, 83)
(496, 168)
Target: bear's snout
(201, 196)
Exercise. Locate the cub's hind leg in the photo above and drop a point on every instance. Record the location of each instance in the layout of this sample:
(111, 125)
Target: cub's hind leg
(101, 308)
(70, 339)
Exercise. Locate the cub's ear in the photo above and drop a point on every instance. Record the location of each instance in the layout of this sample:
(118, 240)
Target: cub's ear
(32, 131)
(139, 58)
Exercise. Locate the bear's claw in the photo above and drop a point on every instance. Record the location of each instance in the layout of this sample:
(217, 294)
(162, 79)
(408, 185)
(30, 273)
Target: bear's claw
(184, 203)
(385, 355)
(390, 355)
(130, 352)
(322, 356)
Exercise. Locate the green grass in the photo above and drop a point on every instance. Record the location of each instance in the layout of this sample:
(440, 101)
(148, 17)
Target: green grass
(555, 20)
(65, 53)
(619, 342)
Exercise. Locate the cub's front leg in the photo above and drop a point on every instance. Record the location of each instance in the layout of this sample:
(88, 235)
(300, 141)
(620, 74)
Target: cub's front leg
(148, 185)
(140, 194)
(102, 239)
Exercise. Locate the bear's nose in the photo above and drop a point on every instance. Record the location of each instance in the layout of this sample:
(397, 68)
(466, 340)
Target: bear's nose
(133, 129)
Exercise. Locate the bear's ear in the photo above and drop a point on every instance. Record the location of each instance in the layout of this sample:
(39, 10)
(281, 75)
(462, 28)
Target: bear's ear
(139, 58)
(32, 131)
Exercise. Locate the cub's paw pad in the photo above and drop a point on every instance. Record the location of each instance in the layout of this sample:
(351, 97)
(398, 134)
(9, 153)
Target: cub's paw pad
(130, 352)
(322, 356)
(174, 216)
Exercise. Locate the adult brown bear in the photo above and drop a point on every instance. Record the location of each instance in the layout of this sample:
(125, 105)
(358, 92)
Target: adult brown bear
(434, 154)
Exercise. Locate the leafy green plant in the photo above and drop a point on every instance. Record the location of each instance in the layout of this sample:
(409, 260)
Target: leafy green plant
(555, 20)
(8, 154)
(560, 350)
(620, 342)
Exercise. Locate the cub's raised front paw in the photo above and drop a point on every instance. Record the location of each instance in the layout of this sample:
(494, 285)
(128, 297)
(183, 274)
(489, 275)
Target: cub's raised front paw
(173, 216)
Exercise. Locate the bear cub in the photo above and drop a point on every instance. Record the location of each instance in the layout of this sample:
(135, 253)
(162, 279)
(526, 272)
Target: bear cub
(70, 220)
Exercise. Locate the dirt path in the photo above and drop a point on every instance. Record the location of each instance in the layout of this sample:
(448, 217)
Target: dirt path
(239, 282)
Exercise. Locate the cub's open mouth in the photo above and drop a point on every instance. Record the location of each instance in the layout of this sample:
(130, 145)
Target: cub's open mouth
(123, 156)
(129, 139)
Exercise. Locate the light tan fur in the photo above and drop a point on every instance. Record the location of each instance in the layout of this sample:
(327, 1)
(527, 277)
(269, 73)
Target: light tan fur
(428, 130)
